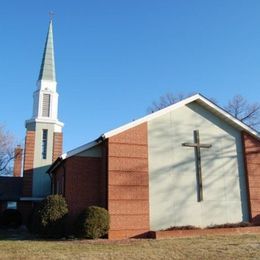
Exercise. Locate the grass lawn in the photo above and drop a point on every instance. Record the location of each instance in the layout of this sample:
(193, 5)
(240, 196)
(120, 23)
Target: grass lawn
(206, 247)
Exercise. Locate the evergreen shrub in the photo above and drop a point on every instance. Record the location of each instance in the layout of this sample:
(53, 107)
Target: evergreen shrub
(93, 223)
(48, 219)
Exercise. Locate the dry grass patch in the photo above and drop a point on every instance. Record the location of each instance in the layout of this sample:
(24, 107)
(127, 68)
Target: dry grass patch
(206, 247)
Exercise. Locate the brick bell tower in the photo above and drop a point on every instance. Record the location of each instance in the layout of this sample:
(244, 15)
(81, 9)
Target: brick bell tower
(43, 143)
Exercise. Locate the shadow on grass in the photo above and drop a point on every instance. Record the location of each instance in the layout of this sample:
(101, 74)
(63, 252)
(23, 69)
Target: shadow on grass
(20, 233)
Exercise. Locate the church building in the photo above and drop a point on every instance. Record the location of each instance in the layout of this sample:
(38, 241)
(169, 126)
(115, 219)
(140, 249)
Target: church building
(191, 163)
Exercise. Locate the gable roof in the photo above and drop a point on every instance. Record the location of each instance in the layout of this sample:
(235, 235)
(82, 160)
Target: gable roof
(200, 99)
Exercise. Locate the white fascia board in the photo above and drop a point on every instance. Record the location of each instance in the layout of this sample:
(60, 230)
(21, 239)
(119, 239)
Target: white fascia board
(78, 150)
(180, 104)
(151, 116)
(228, 116)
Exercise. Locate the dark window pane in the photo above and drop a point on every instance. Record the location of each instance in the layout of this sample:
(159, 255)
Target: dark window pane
(44, 143)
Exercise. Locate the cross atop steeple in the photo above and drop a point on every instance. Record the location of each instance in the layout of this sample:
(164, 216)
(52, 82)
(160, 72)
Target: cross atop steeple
(51, 14)
(47, 71)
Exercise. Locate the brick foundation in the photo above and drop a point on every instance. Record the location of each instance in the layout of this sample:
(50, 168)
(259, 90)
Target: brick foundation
(203, 232)
(128, 184)
(252, 163)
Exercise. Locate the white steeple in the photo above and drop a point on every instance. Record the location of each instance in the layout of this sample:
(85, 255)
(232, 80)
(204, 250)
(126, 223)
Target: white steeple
(44, 130)
(45, 105)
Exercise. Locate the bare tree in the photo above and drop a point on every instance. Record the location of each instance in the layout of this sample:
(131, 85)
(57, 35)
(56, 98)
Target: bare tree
(248, 113)
(7, 145)
(166, 100)
(238, 106)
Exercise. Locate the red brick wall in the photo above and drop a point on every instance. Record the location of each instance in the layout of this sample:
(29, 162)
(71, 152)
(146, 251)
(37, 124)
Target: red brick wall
(58, 177)
(18, 162)
(57, 145)
(83, 183)
(28, 163)
(128, 184)
(252, 161)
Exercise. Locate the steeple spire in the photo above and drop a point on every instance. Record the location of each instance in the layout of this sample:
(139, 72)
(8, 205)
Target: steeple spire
(47, 71)
(45, 105)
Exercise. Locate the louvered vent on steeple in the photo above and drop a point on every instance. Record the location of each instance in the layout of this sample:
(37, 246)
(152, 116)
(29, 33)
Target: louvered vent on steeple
(46, 105)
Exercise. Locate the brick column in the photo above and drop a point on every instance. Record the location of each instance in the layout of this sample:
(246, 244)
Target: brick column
(28, 163)
(57, 145)
(128, 183)
(18, 153)
(252, 163)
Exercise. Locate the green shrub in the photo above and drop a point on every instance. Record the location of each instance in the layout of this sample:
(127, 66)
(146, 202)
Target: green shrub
(48, 219)
(11, 218)
(93, 223)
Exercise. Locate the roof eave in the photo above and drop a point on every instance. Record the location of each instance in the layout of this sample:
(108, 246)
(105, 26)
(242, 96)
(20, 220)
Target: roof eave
(197, 97)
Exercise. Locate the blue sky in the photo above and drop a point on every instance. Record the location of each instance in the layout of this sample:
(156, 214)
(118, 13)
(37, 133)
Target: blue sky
(114, 58)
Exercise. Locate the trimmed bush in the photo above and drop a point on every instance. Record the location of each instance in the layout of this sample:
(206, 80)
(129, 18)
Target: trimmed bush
(11, 218)
(93, 223)
(48, 219)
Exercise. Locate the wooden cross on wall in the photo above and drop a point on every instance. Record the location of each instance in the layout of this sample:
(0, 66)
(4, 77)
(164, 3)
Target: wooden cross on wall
(197, 145)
